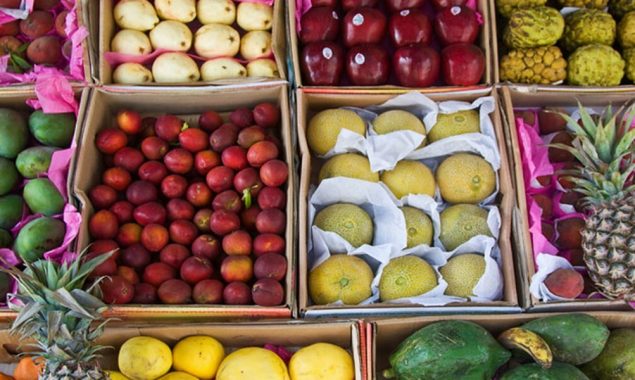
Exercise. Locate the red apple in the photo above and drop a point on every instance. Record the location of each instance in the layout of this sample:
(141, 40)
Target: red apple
(322, 63)
(416, 66)
(324, 3)
(410, 26)
(440, 4)
(463, 64)
(349, 4)
(319, 24)
(367, 65)
(397, 5)
(457, 24)
(363, 26)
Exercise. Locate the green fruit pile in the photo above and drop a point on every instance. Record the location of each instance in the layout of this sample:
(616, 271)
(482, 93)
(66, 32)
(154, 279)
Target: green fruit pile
(26, 148)
(588, 47)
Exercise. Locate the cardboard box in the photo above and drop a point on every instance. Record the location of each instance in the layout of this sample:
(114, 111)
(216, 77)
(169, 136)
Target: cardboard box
(484, 42)
(188, 103)
(385, 335)
(108, 29)
(292, 335)
(309, 102)
(511, 99)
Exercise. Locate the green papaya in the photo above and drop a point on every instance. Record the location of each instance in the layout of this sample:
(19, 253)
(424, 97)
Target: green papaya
(617, 360)
(33, 162)
(8, 176)
(14, 134)
(574, 338)
(447, 350)
(533, 371)
(54, 129)
(11, 207)
(42, 197)
(5, 239)
(39, 236)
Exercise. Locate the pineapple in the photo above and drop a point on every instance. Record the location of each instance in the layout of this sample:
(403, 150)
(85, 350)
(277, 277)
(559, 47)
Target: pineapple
(62, 318)
(604, 147)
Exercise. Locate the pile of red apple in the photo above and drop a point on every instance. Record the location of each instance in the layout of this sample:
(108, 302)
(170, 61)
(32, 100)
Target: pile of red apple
(366, 38)
(197, 213)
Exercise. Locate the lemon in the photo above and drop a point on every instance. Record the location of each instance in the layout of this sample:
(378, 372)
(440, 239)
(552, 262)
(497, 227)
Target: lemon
(252, 363)
(418, 226)
(465, 178)
(462, 274)
(398, 120)
(321, 361)
(406, 276)
(460, 223)
(178, 376)
(325, 127)
(409, 177)
(198, 355)
(347, 220)
(144, 358)
(457, 123)
(114, 375)
(340, 278)
(349, 165)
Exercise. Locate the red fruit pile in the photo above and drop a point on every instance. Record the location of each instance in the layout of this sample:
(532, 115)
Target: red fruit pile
(198, 214)
(370, 30)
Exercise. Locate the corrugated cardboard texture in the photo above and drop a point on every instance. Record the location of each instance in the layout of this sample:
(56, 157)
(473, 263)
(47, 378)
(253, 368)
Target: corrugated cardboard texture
(188, 104)
(108, 29)
(309, 103)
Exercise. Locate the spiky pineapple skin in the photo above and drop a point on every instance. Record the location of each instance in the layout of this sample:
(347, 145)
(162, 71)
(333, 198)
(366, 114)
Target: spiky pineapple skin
(78, 373)
(608, 243)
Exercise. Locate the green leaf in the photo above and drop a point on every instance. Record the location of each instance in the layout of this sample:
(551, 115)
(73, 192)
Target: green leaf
(587, 121)
(20, 62)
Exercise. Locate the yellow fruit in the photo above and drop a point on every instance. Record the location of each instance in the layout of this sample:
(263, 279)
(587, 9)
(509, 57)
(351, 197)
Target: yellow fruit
(114, 375)
(349, 165)
(418, 226)
(398, 120)
(198, 355)
(465, 178)
(347, 220)
(409, 177)
(324, 128)
(460, 223)
(462, 274)
(144, 358)
(321, 361)
(406, 276)
(452, 124)
(252, 363)
(179, 376)
(340, 278)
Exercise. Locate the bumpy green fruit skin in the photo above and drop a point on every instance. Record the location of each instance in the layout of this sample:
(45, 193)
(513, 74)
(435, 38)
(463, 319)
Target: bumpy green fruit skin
(629, 57)
(11, 207)
(533, 27)
(595, 65)
(42, 197)
(13, 133)
(52, 129)
(5, 239)
(39, 236)
(8, 176)
(447, 350)
(34, 161)
(626, 31)
(617, 360)
(507, 7)
(588, 26)
(533, 371)
(573, 338)
(619, 8)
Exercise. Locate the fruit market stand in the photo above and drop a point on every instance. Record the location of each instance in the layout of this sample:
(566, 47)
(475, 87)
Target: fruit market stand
(317, 189)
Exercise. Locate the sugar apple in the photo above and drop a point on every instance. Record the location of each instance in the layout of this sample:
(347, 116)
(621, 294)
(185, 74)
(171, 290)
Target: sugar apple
(533, 27)
(619, 8)
(629, 57)
(588, 26)
(506, 7)
(543, 65)
(626, 31)
(595, 4)
(595, 65)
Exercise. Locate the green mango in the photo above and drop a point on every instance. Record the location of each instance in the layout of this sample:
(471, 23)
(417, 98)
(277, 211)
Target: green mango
(33, 162)
(14, 134)
(5, 239)
(617, 360)
(558, 371)
(55, 129)
(447, 350)
(10, 210)
(39, 236)
(8, 176)
(42, 197)
(573, 338)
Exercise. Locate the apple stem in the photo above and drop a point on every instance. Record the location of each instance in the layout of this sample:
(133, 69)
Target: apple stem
(247, 197)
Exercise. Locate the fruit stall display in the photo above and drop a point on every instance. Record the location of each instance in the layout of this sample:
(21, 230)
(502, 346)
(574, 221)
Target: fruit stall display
(562, 218)
(378, 230)
(409, 43)
(187, 41)
(579, 43)
(198, 198)
(584, 346)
